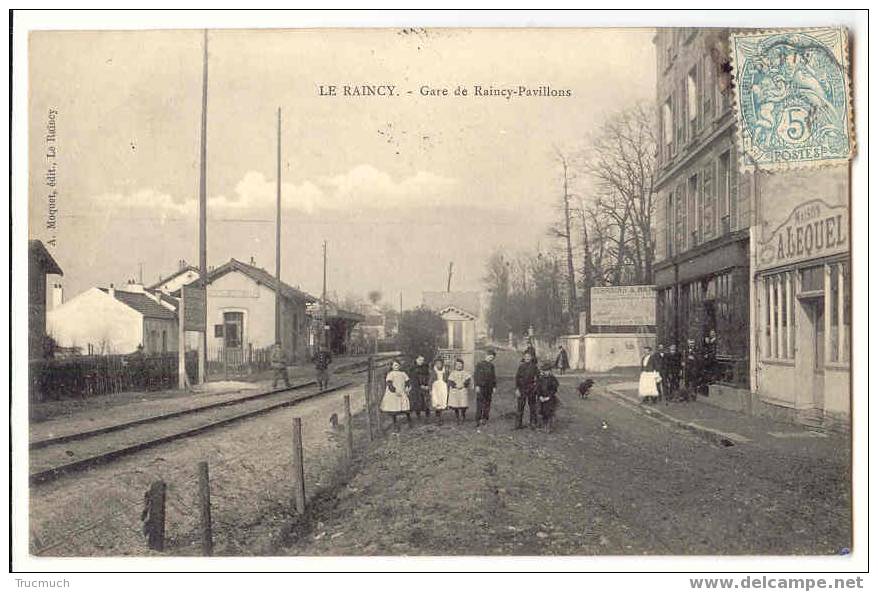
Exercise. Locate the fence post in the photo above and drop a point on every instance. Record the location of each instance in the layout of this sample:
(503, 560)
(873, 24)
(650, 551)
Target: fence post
(367, 394)
(204, 502)
(153, 515)
(298, 466)
(349, 428)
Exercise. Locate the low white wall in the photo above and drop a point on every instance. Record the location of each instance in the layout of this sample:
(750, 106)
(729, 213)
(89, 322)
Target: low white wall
(605, 351)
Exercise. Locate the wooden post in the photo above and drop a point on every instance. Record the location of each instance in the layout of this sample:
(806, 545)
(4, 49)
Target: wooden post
(298, 466)
(181, 345)
(367, 394)
(349, 428)
(153, 516)
(204, 502)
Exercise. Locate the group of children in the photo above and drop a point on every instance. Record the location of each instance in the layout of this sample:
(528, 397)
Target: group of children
(435, 388)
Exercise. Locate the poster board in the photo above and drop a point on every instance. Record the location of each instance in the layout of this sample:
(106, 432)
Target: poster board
(616, 306)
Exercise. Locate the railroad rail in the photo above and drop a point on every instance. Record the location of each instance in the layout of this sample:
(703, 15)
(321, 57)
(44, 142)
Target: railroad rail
(50, 460)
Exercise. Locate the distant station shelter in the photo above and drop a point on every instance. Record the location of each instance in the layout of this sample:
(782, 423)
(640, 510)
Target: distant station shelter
(461, 313)
(621, 324)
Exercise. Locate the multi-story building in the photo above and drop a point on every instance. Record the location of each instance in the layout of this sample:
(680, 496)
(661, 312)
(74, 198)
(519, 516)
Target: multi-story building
(702, 219)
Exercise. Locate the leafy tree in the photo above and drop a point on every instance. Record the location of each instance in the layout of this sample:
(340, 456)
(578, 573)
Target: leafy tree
(420, 333)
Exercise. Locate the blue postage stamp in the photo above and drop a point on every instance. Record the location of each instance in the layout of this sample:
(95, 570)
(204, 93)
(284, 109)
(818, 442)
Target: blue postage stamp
(792, 98)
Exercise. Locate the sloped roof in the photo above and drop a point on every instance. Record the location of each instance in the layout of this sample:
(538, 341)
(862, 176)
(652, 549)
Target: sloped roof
(261, 276)
(37, 252)
(456, 309)
(468, 302)
(180, 271)
(143, 304)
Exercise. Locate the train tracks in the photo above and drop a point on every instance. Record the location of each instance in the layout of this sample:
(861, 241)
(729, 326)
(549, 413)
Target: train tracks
(51, 458)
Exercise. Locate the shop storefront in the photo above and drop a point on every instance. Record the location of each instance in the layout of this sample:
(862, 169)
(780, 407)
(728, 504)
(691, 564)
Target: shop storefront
(803, 290)
(707, 289)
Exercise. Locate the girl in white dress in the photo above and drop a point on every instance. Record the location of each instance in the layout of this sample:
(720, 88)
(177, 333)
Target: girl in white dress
(439, 388)
(396, 400)
(459, 384)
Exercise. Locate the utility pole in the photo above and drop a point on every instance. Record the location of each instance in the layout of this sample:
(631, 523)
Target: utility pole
(277, 301)
(202, 221)
(450, 271)
(140, 273)
(323, 302)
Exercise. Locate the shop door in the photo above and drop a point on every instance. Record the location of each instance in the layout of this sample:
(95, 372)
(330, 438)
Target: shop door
(812, 366)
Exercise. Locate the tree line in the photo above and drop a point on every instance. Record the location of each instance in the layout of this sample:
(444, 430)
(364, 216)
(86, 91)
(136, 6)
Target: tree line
(602, 235)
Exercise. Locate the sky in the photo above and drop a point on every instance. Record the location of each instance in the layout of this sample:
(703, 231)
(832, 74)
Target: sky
(397, 185)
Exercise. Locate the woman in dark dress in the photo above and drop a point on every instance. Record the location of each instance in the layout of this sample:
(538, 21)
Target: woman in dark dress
(420, 395)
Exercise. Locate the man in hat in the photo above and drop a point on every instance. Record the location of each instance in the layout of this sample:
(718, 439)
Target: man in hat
(485, 380)
(322, 360)
(526, 390)
(279, 364)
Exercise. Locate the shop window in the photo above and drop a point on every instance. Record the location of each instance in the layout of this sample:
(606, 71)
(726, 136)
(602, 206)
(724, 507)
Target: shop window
(837, 307)
(779, 318)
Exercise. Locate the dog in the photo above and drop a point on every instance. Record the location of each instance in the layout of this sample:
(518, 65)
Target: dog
(584, 388)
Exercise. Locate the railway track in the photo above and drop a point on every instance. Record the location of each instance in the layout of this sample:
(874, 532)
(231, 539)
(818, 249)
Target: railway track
(53, 457)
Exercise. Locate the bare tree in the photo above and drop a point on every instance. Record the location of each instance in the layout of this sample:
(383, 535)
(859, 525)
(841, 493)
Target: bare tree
(621, 161)
(564, 231)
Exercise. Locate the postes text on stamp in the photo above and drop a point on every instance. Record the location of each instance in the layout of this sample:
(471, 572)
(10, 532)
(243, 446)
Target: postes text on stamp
(792, 98)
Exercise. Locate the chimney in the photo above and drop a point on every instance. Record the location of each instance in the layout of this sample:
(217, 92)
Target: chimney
(112, 291)
(252, 260)
(133, 286)
(57, 295)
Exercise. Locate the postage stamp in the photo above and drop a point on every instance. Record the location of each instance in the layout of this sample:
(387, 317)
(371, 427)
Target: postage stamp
(792, 98)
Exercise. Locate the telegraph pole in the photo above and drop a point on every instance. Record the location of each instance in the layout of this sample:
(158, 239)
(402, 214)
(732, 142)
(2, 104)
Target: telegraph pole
(323, 301)
(202, 221)
(450, 271)
(277, 302)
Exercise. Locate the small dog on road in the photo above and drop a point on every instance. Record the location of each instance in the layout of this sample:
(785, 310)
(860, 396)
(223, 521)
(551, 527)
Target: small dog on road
(585, 387)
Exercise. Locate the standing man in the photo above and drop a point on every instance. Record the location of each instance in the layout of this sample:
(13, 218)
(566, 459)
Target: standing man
(530, 349)
(562, 363)
(692, 370)
(526, 391)
(661, 366)
(279, 364)
(322, 360)
(485, 379)
(672, 368)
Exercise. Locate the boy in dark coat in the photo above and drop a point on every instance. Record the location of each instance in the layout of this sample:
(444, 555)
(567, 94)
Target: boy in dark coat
(547, 396)
(485, 380)
(526, 391)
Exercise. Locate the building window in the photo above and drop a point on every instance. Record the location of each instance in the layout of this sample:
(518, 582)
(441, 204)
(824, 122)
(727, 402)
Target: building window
(680, 233)
(164, 341)
(668, 129)
(779, 316)
(692, 101)
(681, 114)
(707, 90)
(723, 193)
(732, 185)
(695, 230)
(709, 201)
(233, 329)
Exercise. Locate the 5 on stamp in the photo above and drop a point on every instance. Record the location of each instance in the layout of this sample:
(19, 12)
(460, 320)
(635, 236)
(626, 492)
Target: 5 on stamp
(792, 97)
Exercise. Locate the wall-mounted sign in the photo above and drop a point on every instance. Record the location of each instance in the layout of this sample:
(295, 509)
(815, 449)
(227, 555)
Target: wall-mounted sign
(194, 307)
(623, 305)
(813, 229)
